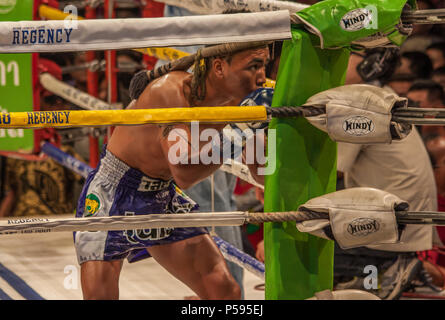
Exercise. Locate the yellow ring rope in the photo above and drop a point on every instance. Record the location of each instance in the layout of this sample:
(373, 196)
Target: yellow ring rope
(96, 118)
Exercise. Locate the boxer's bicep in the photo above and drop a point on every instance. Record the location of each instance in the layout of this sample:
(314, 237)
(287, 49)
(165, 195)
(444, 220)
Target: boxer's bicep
(175, 141)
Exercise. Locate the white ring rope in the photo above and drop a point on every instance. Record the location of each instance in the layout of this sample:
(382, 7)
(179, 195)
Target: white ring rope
(218, 6)
(186, 220)
(72, 94)
(115, 34)
(148, 221)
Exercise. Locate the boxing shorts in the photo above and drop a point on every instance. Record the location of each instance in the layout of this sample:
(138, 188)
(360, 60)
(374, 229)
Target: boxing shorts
(114, 188)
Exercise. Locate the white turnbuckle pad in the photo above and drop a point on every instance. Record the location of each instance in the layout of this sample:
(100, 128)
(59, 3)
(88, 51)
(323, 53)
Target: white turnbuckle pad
(359, 113)
(357, 217)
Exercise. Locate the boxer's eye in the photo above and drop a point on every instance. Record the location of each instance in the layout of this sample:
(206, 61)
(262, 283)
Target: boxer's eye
(254, 67)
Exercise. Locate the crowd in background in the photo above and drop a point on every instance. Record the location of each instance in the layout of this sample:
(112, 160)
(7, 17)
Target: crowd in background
(416, 71)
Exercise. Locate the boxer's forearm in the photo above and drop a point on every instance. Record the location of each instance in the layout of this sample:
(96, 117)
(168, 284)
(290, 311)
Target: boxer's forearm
(186, 176)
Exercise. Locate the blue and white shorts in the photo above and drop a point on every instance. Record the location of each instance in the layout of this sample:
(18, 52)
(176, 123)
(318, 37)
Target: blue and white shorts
(114, 188)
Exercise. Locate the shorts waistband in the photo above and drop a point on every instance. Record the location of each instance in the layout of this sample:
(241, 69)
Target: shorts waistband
(118, 172)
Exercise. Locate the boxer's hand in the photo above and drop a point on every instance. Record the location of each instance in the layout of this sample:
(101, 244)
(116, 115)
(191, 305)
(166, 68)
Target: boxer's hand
(357, 217)
(260, 97)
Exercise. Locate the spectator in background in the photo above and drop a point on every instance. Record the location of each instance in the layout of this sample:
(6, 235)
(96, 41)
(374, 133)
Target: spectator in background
(428, 94)
(401, 83)
(78, 77)
(435, 145)
(436, 53)
(129, 62)
(434, 260)
(401, 168)
(439, 76)
(415, 63)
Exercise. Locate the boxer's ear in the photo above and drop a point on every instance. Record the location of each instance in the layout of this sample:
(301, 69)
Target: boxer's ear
(219, 67)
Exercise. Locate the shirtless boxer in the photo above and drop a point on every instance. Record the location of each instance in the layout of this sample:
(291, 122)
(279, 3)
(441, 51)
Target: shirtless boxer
(135, 177)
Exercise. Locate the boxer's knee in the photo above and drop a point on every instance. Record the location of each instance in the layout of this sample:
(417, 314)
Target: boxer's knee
(222, 286)
(100, 280)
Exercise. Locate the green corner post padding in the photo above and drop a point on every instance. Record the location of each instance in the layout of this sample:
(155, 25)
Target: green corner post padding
(298, 264)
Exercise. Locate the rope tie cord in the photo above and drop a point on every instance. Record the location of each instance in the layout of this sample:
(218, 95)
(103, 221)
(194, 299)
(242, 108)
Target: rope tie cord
(288, 112)
(198, 90)
(297, 216)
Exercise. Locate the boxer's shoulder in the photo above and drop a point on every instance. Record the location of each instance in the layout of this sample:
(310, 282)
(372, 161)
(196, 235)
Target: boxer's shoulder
(166, 91)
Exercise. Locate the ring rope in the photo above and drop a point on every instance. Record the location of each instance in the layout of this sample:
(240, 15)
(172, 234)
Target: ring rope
(419, 116)
(215, 6)
(431, 16)
(97, 118)
(240, 258)
(72, 94)
(288, 112)
(66, 160)
(169, 54)
(219, 114)
(183, 220)
(78, 118)
(130, 33)
(187, 220)
(51, 13)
